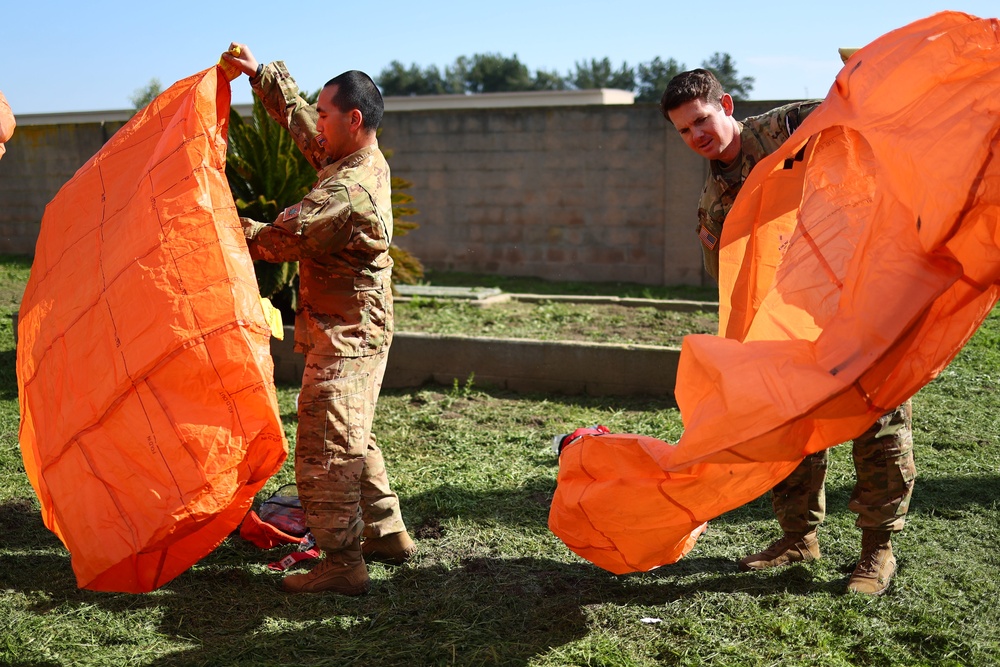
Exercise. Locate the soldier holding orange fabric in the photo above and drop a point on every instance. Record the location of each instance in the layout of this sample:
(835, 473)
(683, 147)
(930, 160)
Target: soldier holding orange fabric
(340, 235)
(695, 103)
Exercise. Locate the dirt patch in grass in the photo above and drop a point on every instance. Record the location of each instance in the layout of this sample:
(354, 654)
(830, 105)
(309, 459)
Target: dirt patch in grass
(599, 323)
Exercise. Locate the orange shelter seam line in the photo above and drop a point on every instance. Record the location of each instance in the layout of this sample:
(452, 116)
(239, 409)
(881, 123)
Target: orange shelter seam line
(159, 568)
(83, 452)
(579, 504)
(977, 183)
(670, 499)
(114, 498)
(193, 311)
(819, 255)
(114, 404)
(707, 458)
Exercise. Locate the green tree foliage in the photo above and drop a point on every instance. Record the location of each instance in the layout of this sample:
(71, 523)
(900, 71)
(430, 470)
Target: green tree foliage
(143, 96)
(724, 68)
(267, 174)
(653, 78)
(406, 268)
(396, 79)
(493, 72)
(547, 80)
(601, 74)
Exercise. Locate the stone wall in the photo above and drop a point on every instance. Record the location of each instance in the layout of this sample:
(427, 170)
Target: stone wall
(589, 193)
(39, 160)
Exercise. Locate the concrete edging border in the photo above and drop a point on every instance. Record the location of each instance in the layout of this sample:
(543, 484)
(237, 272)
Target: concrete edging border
(567, 367)
(596, 369)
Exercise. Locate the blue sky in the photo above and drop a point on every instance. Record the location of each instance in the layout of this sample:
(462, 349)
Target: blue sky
(79, 56)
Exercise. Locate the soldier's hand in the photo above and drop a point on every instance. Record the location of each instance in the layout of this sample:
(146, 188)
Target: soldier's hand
(240, 56)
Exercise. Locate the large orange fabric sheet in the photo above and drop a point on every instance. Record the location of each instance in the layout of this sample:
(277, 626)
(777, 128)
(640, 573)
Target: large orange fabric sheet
(148, 413)
(852, 273)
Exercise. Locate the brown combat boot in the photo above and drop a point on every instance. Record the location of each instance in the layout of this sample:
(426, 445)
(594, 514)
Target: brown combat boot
(393, 549)
(792, 548)
(341, 572)
(876, 566)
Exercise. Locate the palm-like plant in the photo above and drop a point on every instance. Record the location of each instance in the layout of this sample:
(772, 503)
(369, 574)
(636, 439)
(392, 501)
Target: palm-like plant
(267, 174)
(406, 269)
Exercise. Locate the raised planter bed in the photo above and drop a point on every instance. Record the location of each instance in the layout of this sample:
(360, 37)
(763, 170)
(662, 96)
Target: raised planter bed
(597, 369)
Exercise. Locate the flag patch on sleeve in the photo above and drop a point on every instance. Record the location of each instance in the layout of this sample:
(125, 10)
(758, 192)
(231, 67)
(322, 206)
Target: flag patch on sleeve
(708, 238)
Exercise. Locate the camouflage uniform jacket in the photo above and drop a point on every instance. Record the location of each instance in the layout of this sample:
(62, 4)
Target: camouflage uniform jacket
(759, 137)
(340, 235)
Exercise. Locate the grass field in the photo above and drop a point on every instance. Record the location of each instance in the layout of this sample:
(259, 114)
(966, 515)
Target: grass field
(554, 320)
(492, 586)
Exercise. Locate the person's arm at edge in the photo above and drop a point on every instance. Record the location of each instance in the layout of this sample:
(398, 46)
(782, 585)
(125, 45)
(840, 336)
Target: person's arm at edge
(283, 102)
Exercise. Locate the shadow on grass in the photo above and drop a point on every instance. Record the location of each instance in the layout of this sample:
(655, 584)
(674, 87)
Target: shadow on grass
(8, 375)
(477, 610)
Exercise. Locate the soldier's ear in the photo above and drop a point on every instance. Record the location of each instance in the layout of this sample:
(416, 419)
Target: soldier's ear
(357, 120)
(727, 104)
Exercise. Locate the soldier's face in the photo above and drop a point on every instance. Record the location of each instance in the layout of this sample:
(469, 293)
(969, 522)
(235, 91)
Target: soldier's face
(708, 129)
(334, 126)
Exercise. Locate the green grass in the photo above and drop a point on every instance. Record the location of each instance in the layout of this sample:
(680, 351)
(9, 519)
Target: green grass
(554, 320)
(491, 585)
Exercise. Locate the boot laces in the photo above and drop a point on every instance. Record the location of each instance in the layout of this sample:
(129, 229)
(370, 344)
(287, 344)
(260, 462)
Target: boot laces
(868, 563)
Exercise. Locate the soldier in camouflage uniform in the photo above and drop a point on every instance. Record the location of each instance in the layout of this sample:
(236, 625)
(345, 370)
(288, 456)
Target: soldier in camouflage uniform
(696, 105)
(340, 235)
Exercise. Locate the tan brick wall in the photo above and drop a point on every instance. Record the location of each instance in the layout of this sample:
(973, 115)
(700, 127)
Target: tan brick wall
(38, 161)
(590, 193)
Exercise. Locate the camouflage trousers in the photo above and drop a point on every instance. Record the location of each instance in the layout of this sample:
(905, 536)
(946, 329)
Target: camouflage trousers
(339, 470)
(883, 463)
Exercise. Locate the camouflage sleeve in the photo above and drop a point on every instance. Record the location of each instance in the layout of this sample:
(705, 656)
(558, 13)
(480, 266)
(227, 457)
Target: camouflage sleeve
(710, 219)
(783, 121)
(318, 225)
(280, 94)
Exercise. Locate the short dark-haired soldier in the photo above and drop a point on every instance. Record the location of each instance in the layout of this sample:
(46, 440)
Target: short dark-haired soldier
(340, 235)
(695, 103)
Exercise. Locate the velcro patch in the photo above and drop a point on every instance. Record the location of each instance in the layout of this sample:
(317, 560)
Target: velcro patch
(292, 212)
(709, 239)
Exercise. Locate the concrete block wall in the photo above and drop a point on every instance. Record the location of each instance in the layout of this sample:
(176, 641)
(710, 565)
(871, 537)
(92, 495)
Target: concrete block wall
(40, 159)
(587, 193)
(562, 193)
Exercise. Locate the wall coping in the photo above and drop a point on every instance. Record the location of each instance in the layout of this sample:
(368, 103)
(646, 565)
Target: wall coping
(534, 98)
(544, 98)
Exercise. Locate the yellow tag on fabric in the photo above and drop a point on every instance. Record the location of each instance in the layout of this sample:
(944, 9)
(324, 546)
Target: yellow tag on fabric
(273, 317)
(230, 70)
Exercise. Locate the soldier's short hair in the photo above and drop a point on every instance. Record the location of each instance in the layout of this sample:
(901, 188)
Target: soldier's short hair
(696, 84)
(356, 90)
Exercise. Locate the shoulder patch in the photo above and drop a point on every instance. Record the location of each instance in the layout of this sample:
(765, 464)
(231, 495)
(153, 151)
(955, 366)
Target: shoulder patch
(292, 212)
(707, 238)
